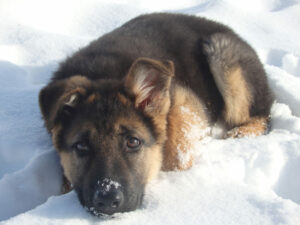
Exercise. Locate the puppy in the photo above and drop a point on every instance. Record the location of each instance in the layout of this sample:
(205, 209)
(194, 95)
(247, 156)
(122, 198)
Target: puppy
(120, 110)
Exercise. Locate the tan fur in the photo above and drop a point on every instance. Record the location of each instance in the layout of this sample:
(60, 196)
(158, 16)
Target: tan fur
(254, 127)
(160, 120)
(186, 113)
(92, 98)
(78, 81)
(72, 165)
(153, 162)
(237, 97)
(123, 99)
(66, 162)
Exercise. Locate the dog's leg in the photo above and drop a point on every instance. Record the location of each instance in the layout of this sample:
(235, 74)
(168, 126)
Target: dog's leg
(242, 83)
(187, 123)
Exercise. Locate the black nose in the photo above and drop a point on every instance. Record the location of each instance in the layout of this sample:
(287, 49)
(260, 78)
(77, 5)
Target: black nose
(108, 198)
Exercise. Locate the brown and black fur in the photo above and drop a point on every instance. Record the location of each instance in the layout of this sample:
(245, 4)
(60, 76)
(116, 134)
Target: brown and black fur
(133, 83)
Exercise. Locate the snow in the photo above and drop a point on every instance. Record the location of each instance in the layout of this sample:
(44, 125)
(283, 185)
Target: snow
(108, 184)
(234, 181)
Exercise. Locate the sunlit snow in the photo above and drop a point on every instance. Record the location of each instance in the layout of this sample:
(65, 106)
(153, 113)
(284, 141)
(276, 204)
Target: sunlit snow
(234, 181)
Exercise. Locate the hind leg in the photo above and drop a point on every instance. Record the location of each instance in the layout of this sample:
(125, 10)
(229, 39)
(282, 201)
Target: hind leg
(242, 83)
(254, 127)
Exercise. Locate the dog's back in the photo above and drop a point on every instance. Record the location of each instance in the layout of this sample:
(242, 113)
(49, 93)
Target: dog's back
(183, 39)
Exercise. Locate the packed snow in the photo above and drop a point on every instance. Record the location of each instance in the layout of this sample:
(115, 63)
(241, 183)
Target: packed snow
(234, 181)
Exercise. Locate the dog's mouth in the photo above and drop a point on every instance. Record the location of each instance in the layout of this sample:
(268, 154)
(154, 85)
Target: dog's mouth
(96, 213)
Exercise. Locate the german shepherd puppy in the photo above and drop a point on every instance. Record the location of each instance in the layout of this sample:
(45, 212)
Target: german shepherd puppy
(120, 109)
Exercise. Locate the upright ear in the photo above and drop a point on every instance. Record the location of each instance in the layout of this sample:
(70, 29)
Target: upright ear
(149, 82)
(60, 98)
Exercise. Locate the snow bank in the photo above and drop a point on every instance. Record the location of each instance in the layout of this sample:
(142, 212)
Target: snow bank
(234, 181)
(23, 190)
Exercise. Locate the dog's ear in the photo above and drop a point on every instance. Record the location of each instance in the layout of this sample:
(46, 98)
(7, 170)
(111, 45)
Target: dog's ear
(60, 98)
(149, 82)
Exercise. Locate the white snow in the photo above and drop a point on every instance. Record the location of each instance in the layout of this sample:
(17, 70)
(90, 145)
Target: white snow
(234, 181)
(108, 184)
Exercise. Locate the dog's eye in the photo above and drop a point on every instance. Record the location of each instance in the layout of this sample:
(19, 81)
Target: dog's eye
(133, 143)
(81, 148)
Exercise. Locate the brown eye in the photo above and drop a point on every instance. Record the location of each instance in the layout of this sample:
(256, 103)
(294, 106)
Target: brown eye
(133, 143)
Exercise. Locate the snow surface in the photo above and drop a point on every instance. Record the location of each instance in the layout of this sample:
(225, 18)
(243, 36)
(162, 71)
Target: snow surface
(234, 181)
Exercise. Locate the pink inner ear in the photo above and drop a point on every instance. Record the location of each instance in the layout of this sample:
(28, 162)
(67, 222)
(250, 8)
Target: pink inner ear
(144, 103)
(151, 81)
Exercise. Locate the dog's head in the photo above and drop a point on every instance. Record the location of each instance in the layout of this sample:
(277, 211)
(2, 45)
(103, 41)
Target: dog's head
(110, 133)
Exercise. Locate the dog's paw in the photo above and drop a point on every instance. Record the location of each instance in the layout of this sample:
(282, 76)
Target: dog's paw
(244, 131)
